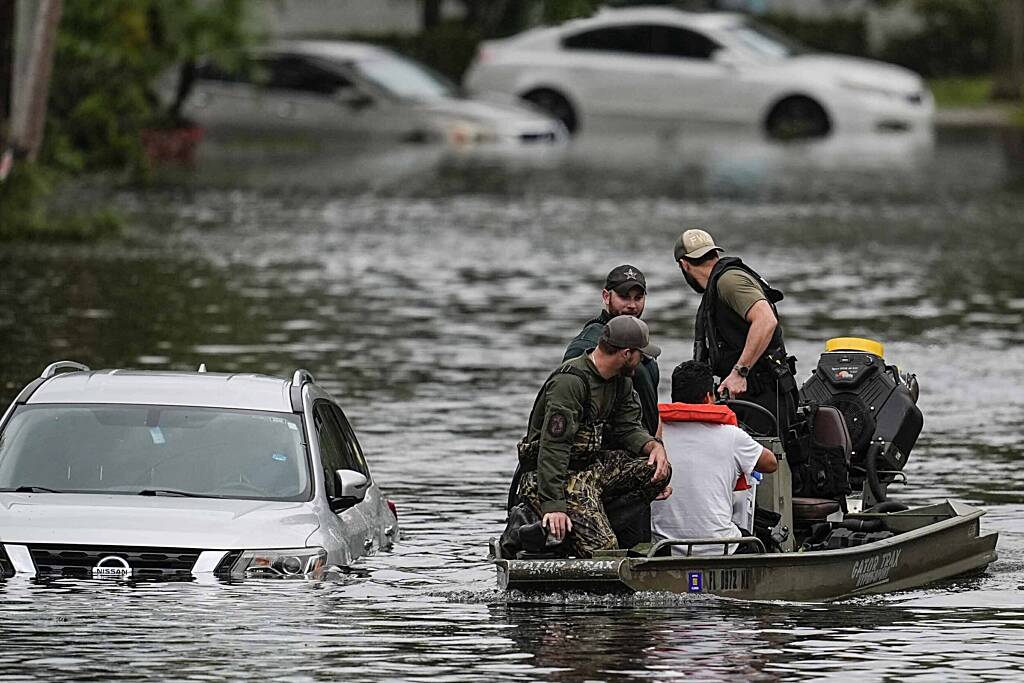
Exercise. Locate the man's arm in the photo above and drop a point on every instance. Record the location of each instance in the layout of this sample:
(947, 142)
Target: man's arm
(563, 406)
(766, 462)
(762, 326)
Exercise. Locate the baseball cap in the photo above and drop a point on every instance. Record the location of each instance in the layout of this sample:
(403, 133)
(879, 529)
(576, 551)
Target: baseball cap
(624, 278)
(694, 244)
(627, 332)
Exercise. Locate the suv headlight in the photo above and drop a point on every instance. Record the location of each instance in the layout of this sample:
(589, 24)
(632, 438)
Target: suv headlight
(291, 563)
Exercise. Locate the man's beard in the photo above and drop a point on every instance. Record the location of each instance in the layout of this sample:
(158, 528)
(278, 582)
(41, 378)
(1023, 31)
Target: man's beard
(694, 285)
(614, 311)
(627, 371)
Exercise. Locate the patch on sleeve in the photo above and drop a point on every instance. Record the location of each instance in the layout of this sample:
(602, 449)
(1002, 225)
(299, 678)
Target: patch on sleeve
(556, 426)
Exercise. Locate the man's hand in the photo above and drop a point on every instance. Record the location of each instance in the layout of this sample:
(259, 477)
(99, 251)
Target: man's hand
(665, 492)
(659, 459)
(734, 384)
(558, 524)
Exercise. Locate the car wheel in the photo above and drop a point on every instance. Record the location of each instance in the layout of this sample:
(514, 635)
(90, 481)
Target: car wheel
(554, 104)
(797, 118)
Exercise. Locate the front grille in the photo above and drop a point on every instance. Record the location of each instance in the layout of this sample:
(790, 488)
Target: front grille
(6, 568)
(77, 561)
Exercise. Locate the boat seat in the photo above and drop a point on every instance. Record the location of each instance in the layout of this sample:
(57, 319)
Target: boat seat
(808, 511)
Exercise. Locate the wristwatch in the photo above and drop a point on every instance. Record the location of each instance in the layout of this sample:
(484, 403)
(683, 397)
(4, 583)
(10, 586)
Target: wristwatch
(742, 370)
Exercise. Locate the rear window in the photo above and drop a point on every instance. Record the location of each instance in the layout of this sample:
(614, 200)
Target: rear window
(207, 452)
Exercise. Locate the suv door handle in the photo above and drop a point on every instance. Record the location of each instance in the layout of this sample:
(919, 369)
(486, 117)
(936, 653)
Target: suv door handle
(368, 544)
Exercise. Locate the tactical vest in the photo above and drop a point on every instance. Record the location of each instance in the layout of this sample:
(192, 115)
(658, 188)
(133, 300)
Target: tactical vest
(590, 433)
(720, 333)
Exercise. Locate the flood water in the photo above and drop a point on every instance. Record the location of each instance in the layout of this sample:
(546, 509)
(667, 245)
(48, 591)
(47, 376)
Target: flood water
(431, 293)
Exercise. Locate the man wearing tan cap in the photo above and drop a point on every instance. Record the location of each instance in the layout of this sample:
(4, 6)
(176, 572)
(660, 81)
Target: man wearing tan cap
(737, 330)
(567, 468)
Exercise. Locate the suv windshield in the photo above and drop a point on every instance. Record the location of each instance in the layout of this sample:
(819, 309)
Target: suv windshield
(155, 450)
(766, 41)
(405, 79)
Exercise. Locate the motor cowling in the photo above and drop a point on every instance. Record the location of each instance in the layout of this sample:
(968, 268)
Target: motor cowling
(878, 403)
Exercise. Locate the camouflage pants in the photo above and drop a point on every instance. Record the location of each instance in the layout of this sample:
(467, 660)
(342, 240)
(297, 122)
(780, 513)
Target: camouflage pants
(612, 474)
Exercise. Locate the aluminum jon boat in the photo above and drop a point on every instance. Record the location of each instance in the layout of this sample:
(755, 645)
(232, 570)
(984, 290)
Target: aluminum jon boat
(929, 544)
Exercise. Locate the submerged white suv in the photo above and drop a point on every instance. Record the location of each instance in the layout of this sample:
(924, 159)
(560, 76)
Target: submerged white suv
(139, 475)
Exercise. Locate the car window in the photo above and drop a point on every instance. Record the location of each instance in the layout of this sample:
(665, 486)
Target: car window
(646, 39)
(294, 72)
(127, 449)
(333, 449)
(405, 78)
(352, 452)
(672, 41)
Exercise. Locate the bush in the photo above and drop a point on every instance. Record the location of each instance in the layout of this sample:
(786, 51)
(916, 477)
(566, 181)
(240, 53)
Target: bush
(958, 39)
(27, 212)
(837, 34)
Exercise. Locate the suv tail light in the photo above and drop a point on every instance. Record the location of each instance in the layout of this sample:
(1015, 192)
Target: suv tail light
(393, 508)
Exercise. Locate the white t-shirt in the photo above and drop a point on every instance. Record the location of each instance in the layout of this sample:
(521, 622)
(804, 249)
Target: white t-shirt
(706, 461)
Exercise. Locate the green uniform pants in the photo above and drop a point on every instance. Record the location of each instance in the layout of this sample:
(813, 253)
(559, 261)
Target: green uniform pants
(611, 474)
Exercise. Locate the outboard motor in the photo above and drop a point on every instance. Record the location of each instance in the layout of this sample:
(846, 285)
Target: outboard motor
(879, 405)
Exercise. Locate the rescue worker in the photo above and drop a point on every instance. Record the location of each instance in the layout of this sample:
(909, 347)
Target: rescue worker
(737, 330)
(567, 469)
(624, 293)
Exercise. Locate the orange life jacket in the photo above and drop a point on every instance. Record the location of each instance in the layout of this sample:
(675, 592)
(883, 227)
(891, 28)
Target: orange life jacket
(702, 412)
(697, 412)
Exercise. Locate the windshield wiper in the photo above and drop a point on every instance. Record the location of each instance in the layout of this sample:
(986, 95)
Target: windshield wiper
(172, 492)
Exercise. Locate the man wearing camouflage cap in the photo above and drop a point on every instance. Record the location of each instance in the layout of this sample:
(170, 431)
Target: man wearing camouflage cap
(737, 331)
(567, 467)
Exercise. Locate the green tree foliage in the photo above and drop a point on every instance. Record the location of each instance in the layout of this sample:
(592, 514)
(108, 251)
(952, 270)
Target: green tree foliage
(109, 53)
(958, 39)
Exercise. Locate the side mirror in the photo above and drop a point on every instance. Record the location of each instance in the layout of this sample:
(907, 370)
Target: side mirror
(351, 487)
(353, 98)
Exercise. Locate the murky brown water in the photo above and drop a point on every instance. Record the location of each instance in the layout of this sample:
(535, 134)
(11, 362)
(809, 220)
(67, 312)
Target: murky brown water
(431, 294)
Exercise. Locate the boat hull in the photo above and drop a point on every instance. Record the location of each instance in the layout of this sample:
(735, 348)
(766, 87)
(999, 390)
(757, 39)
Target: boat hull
(933, 543)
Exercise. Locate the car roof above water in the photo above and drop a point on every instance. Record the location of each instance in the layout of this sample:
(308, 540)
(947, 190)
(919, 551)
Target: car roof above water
(148, 387)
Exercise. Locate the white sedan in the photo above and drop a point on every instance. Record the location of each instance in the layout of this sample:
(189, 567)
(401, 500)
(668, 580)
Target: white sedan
(662, 63)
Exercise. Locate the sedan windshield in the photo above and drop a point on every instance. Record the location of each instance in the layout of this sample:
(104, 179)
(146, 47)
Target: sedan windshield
(766, 41)
(405, 79)
(154, 451)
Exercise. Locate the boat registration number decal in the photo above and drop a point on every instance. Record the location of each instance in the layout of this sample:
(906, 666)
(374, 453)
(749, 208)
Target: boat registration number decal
(730, 580)
(872, 570)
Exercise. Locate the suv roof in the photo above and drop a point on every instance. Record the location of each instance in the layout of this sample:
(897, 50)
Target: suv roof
(149, 387)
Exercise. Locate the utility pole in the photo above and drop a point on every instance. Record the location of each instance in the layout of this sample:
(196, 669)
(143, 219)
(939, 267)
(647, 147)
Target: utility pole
(1009, 83)
(6, 66)
(31, 86)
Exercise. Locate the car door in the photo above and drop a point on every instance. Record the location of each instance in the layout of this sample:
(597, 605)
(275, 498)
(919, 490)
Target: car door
(372, 507)
(352, 528)
(647, 70)
(685, 79)
(225, 102)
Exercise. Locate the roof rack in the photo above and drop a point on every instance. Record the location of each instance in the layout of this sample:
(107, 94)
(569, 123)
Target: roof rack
(202, 367)
(53, 368)
(301, 377)
(298, 379)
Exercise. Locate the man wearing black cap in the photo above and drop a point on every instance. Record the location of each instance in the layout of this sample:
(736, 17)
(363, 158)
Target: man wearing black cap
(567, 467)
(737, 330)
(625, 293)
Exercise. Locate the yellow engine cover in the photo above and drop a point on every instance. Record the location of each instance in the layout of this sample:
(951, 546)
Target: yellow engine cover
(855, 344)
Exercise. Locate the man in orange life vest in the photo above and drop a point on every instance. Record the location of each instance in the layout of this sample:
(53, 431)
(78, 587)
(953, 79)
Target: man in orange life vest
(707, 452)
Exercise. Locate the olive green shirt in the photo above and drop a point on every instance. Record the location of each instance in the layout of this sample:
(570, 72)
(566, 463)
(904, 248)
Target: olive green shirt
(556, 420)
(739, 291)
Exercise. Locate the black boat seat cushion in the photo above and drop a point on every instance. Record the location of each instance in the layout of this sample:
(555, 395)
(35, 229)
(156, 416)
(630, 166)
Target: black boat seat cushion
(809, 510)
(831, 431)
